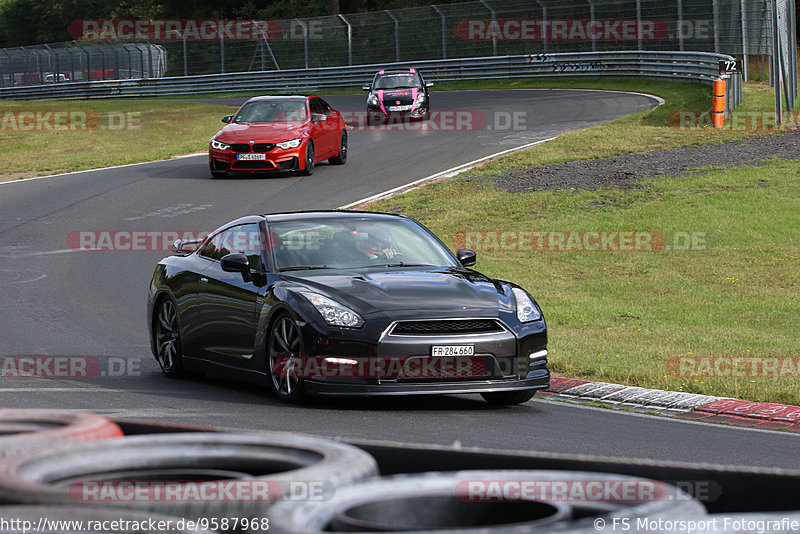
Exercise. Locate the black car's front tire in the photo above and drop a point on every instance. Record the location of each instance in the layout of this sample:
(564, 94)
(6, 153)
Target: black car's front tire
(284, 351)
(167, 339)
(508, 397)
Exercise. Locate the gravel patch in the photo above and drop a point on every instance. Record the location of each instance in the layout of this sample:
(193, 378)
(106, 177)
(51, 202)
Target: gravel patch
(624, 170)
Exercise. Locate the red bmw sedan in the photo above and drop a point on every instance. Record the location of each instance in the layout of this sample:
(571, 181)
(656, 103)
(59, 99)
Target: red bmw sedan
(278, 133)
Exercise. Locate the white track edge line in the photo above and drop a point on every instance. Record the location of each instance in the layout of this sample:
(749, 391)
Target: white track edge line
(452, 171)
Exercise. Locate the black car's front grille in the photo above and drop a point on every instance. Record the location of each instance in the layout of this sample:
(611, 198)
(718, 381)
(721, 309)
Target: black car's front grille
(240, 147)
(452, 368)
(263, 147)
(451, 326)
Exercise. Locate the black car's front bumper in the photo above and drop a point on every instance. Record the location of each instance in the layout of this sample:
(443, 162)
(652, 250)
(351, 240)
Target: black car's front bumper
(504, 360)
(539, 380)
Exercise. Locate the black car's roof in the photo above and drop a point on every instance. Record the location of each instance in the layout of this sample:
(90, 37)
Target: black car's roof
(328, 214)
(306, 215)
(393, 72)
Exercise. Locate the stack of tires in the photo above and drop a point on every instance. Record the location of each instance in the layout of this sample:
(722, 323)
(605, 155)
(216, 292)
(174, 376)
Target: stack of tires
(67, 466)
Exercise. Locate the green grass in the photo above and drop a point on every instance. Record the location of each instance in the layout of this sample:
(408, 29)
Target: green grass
(621, 316)
(129, 131)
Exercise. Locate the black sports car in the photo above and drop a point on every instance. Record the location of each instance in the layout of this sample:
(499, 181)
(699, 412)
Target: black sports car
(344, 303)
(397, 95)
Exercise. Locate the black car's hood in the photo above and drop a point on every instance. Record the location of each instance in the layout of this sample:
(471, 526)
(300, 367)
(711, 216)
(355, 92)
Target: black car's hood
(398, 289)
(393, 97)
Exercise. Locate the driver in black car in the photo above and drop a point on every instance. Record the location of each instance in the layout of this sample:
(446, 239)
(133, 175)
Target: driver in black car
(377, 245)
(372, 244)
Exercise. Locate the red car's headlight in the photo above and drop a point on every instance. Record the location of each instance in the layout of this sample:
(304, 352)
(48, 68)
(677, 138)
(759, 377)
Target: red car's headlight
(294, 143)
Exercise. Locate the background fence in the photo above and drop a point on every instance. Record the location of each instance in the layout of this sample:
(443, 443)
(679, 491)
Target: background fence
(470, 29)
(484, 28)
(698, 66)
(75, 62)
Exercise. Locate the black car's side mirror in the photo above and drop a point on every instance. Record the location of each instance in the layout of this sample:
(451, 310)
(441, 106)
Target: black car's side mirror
(466, 256)
(235, 263)
(227, 118)
(366, 87)
(428, 84)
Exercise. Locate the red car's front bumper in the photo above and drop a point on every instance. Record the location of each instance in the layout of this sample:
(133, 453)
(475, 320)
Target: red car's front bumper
(274, 159)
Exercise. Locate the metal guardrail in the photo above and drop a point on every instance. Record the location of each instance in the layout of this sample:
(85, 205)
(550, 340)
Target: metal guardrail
(693, 66)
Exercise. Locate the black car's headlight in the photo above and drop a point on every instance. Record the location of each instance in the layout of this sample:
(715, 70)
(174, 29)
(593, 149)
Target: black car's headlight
(219, 145)
(372, 100)
(334, 313)
(420, 99)
(527, 310)
(294, 143)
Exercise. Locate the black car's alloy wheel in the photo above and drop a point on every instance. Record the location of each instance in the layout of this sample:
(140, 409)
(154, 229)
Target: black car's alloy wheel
(285, 359)
(341, 158)
(168, 339)
(310, 157)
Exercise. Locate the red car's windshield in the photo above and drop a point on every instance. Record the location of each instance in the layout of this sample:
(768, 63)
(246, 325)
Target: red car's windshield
(272, 111)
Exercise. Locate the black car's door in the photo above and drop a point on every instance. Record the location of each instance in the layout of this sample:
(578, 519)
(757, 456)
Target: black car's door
(228, 303)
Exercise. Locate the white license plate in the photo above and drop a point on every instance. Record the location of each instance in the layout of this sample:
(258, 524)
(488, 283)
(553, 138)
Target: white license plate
(452, 350)
(251, 157)
(399, 108)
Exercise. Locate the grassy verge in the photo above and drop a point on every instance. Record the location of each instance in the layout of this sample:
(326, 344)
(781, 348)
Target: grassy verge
(116, 132)
(654, 319)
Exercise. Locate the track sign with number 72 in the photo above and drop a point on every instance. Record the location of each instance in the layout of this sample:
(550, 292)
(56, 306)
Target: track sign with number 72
(729, 66)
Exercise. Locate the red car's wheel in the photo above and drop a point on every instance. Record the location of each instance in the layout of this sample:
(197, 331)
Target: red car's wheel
(341, 158)
(309, 160)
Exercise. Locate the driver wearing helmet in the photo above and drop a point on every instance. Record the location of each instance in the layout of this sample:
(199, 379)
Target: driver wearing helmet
(378, 245)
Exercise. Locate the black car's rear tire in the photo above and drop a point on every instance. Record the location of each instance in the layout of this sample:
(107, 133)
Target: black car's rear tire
(341, 157)
(284, 354)
(168, 350)
(508, 397)
(310, 159)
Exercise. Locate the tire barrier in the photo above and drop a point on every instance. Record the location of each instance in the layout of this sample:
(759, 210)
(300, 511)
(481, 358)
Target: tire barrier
(24, 430)
(483, 502)
(187, 474)
(73, 520)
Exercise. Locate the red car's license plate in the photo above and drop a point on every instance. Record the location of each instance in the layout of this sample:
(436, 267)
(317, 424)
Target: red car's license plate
(251, 157)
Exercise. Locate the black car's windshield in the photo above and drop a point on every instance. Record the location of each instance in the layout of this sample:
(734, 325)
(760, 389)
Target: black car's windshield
(272, 111)
(353, 243)
(397, 81)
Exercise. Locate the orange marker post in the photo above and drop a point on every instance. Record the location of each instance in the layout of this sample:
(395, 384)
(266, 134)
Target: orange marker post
(718, 104)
